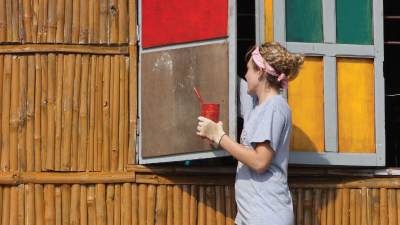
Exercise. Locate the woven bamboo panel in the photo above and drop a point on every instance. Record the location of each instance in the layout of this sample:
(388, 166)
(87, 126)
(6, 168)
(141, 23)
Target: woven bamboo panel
(64, 112)
(64, 21)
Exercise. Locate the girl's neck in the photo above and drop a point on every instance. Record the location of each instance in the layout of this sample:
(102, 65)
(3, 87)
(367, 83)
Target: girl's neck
(266, 94)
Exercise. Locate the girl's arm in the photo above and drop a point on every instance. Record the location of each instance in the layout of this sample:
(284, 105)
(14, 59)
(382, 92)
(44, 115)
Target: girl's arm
(258, 159)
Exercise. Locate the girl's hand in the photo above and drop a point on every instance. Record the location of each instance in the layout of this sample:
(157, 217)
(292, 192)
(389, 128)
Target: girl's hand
(209, 129)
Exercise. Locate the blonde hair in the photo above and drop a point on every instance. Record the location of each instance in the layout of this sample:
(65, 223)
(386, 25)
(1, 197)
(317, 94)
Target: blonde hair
(280, 59)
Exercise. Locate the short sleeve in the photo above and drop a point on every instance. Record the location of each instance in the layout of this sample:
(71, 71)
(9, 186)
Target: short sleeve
(246, 101)
(269, 128)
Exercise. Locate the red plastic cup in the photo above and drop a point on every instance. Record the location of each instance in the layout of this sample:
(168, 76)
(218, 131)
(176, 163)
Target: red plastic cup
(210, 111)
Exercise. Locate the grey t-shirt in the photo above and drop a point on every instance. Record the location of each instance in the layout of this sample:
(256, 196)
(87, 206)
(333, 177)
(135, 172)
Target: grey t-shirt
(264, 199)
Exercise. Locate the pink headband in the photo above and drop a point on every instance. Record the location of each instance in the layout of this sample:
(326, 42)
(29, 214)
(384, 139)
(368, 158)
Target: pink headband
(264, 66)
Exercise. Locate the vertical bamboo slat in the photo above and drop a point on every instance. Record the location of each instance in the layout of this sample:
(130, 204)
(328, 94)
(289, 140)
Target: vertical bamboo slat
(331, 207)
(110, 204)
(91, 205)
(201, 215)
(45, 14)
(126, 204)
(29, 203)
(151, 203)
(91, 21)
(6, 100)
(52, 79)
(75, 196)
(96, 20)
(117, 205)
(6, 206)
(170, 205)
(106, 113)
(103, 30)
(161, 205)
(317, 207)
(114, 112)
(30, 112)
(358, 206)
(92, 85)
(60, 21)
(3, 21)
(307, 206)
(392, 205)
(68, 21)
(35, 7)
(125, 109)
(23, 85)
(99, 113)
(58, 206)
(338, 206)
(113, 20)
(1, 99)
(121, 129)
(300, 207)
(83, 114)
(83, 209)
(52, 21)
(9, 20)
(14, 205)
(27, 19)
(15, 21)
(38, 119)
(177, 203)
(75, 114)
(376, 210)
(66, 203)
(75, 21)
(353, 207)
(383, 204)
(83, 22)
(185, 204)
(14, 115)
(59, 109)
(364, 206)
(220, 205)
(101, 218)
(210, 205)
(123, 21)
(193, 205)
(39, 204)
(229, 201)
(44, 110)
(135, 205)
(21, 204)
(49, 204)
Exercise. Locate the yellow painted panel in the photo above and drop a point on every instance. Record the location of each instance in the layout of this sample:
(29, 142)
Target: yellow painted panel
(306, 99)
(269, 20)
(356, 105)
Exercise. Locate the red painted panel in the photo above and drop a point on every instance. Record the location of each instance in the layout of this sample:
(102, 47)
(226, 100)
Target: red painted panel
(176, 21)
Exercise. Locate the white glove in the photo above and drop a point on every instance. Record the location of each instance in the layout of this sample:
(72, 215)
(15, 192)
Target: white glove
(209, 129)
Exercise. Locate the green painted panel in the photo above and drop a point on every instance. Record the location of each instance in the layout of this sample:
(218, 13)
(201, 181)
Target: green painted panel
(304, 21)
(354, 22)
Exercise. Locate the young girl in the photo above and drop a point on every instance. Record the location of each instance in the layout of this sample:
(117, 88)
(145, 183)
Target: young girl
(261, 189)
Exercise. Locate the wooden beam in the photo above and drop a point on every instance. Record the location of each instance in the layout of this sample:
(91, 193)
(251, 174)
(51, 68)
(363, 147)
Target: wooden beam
(62, 48)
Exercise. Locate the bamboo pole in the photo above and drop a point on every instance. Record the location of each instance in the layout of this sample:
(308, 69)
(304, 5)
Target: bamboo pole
(91, 21)
(14, 205)
(99, 113)
(6, 206)
(92, 83)
(14, 115)
(113, 16)
(58, 205)
(161, 205)
(15, 21)
(75, 21)
(83, 206)
(135, 204)
(75, 196)
(75, 113)
(66, 203)
(35, 8)
(364, 217)
(170, 205)
(127, 204)
(210, 205)
(338, 206)
(317, 207)
(110, 204)
(123, 21)
(299, 209)
(177, 202)
(6, 101)
(151, 204)
(103, 30)
(23, 85)
(52, 21)
(38, 106)
(370, 207)
(29, 203)
(229, 202)
(44, 109)
(117, 205)
(122, 114)
(64, 48)
(45, 14)
(91, 205)
(83, 114)
(49, 204)
(21, 204)
(185, 204)
(30, 112)
(193, 205)
(142, 204)
(220, 205)
(358, 206)
(40, 20)
(3, 21)
(39, 205)
(52, 79)
(21, 30)
(331, 207)
(27, 20)
(307, 206)
(132, 81)
(83, 22)
(60, 21)
(353, 207)
(114, 112)
(68, 21)
(101, 218)
(106, 113)
(126, 114)
(9, 20)
(96, 19)
(59, 109)
(383, 204)
(376, 203)
(201, 214)
(69, 62)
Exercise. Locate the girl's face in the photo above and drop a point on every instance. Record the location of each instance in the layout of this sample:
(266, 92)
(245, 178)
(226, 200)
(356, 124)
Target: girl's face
(253, 77)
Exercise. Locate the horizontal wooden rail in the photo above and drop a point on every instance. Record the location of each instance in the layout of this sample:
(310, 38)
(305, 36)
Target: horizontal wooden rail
(62, 48)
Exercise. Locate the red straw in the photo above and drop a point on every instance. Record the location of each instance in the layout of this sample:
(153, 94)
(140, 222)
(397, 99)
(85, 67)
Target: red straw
(198, 95)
